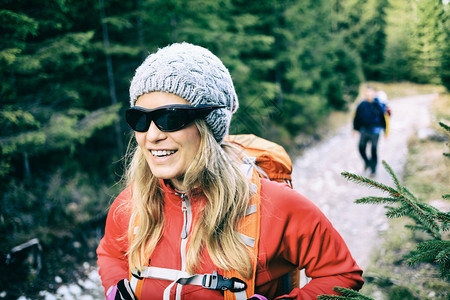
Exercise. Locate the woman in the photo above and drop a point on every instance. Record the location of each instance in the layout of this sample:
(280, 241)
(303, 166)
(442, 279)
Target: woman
(180, 221)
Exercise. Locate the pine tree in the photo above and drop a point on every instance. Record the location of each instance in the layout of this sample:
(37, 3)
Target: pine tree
(427, 40)
(445, 51)
(398, 31)
(363, 24)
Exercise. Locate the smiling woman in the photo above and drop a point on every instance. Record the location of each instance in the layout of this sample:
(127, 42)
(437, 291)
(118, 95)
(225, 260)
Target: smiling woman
(195, 221)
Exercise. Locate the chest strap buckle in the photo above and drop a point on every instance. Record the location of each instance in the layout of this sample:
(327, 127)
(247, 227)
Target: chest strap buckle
(218, 282)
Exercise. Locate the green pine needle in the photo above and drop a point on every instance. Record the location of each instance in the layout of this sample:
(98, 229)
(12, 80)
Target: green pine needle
(346, 293)
(397, 212)
(409, 193)
(421, 212)
(375, 200)
(391, 172)
(445, 126)
(331, 297)
(439, 245)
(369, 182)
(444, 218)
(422, 256)
(443, 256)
(436, 235)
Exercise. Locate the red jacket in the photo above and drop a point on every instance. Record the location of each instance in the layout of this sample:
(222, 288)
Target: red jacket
(294, 234)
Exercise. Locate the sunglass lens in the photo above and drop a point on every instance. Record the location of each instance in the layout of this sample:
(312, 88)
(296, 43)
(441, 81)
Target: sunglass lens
(172, 119)
(137, 120)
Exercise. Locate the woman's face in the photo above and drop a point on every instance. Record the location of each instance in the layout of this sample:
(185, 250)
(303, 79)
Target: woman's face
(168, 154)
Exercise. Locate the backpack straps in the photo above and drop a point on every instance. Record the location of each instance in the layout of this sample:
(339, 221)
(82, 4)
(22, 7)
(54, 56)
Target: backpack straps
(208, 281)
(250, 231)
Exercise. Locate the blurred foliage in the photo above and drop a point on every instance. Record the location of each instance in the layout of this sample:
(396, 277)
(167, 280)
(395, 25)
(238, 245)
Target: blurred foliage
(65, 68)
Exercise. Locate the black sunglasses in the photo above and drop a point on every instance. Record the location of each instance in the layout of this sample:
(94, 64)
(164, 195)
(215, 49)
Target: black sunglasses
(167, 118)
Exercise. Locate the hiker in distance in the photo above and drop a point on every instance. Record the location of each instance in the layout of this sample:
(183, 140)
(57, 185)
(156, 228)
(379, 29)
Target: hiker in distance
(195, 220)
(369, 121)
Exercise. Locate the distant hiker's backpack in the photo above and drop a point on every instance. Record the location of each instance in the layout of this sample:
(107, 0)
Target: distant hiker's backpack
(386, 113)
(271, 160)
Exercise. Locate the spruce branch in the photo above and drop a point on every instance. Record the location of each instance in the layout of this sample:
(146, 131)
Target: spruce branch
(369, 182)
(434, 252)
(375, 200)
(444, 218)
(410, 194)
(422, 256)
(394, 177)
(439, 245)
(443, 257)
(331, 297)
(350, 293)
(403, 203)
(432, 214)
(420, 214)
(347, 294)
(445, 126)
(397, 212)
(436, 235)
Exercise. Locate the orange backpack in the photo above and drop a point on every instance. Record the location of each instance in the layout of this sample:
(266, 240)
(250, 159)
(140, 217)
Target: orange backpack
(271, 160)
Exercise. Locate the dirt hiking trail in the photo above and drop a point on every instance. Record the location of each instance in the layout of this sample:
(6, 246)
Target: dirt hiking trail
(317, 175)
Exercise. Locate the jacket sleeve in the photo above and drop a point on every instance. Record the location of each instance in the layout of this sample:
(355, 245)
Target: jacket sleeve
(357, 118)
(326, 259)
(309, 241)
(111, 252)
(322, 252)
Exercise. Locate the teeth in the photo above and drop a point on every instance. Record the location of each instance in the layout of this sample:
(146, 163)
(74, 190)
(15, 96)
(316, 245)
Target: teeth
(160, 153)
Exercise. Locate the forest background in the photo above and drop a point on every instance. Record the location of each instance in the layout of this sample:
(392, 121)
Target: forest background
(66, 65)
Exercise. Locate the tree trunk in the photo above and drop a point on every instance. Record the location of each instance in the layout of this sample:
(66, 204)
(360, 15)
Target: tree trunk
(140, 30)
(278, 67)
(26, 165)
(109, 68)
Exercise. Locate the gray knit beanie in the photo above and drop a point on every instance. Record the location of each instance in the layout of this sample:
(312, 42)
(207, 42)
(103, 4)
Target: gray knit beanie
(193, 73)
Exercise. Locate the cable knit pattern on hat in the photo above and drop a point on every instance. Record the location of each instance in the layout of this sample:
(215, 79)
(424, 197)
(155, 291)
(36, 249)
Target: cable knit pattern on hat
(193, 73)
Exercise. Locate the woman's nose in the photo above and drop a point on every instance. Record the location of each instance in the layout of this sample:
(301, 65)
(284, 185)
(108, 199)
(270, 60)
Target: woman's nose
(154, 133)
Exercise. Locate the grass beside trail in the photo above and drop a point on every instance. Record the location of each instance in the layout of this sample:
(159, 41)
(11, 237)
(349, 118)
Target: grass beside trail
(405, 89)
(426, 175)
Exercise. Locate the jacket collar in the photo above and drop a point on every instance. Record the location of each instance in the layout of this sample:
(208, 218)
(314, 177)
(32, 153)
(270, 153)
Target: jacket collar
(173, 195)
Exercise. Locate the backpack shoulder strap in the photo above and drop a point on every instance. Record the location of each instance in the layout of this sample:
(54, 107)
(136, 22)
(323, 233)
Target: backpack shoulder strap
(250, 231)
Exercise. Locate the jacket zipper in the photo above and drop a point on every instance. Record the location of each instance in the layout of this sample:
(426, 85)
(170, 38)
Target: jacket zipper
(187, 221)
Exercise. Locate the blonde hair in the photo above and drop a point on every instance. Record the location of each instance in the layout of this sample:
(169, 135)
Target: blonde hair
(216, 169)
